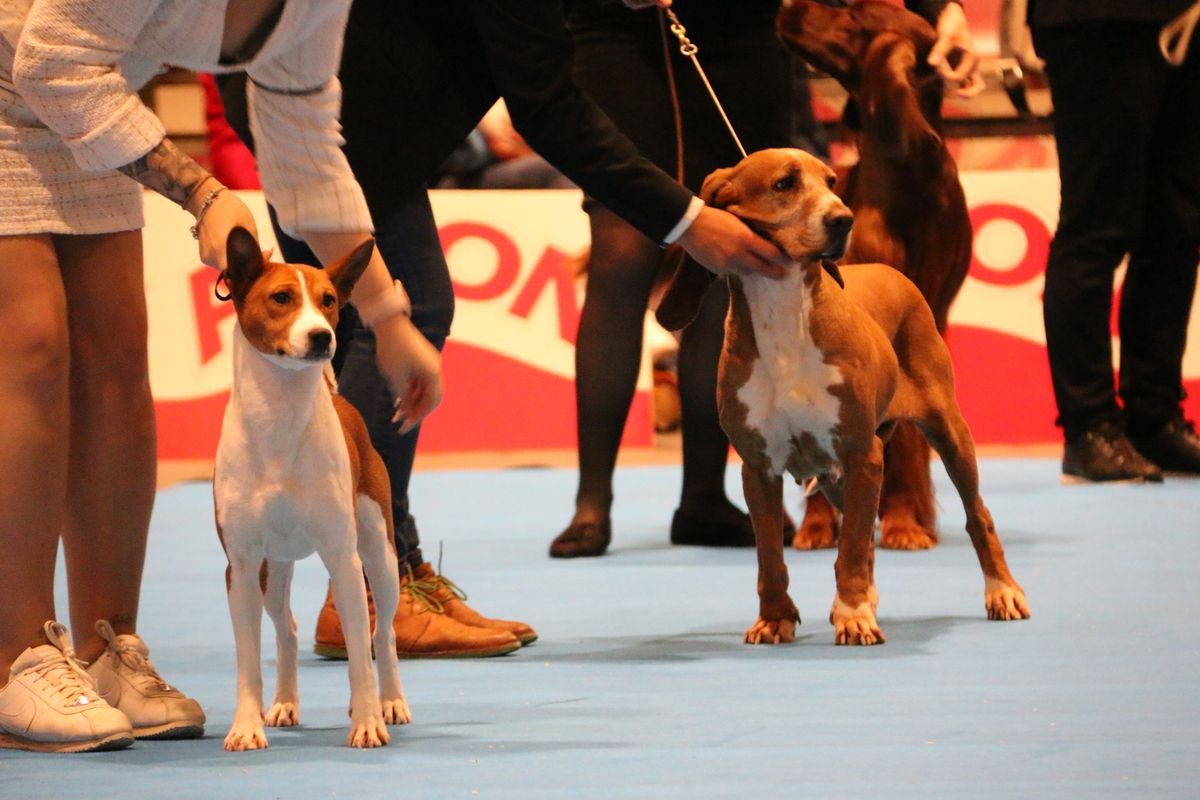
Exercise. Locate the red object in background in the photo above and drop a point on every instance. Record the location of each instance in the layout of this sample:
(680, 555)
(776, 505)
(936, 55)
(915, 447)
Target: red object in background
(232, 162)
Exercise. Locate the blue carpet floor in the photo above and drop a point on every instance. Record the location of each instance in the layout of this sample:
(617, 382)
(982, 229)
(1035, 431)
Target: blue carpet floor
(640, 685)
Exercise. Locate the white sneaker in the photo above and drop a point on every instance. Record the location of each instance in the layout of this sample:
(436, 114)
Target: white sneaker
(129, 682)
(51, 705)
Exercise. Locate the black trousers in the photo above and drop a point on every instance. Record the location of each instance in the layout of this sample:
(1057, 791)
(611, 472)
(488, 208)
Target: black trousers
(1127, 127)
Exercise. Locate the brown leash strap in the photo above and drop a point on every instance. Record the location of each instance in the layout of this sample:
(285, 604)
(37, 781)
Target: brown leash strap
(675, 109)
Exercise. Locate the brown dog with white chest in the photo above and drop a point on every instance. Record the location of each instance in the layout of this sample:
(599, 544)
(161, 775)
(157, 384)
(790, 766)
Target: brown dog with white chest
(909, 208)
(815, 375)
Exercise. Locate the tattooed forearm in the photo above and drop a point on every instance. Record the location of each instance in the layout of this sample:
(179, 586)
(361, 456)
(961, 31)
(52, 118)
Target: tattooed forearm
(167, 170)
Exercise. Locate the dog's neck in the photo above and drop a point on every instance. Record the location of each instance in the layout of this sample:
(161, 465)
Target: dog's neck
(270, 396)
(780, 308)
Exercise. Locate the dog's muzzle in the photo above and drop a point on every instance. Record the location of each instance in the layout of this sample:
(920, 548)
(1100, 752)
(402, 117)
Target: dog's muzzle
(320, 345)
(837, 234)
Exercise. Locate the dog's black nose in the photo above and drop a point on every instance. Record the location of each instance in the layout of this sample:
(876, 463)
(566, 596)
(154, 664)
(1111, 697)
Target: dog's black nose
(319, 341)
(838, 223)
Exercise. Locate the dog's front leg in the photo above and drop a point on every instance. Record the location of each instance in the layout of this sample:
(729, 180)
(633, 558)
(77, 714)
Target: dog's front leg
(285, 709)
(367, 728)
(777, 614)
(378, 553)
(853, 613)
(245, 609)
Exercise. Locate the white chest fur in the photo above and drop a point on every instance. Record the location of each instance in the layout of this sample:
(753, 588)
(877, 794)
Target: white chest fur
(283, 480)
(787, 392)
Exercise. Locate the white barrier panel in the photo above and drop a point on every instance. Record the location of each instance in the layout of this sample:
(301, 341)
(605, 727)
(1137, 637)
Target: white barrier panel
(508, 367)
(509, 364)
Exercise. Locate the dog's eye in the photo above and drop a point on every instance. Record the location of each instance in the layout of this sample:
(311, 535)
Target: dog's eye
(282, 298)
(784, 184)
(830, 180)
(329, 301)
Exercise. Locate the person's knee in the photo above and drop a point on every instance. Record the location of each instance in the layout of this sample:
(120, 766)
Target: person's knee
(39, 349)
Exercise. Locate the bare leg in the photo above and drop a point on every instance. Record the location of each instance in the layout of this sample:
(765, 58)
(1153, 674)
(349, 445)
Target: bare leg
(33, 448)
(607, 355)
(111, 477)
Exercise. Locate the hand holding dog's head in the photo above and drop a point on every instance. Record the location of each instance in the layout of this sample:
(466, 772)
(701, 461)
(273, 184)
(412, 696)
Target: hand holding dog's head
(787, 196)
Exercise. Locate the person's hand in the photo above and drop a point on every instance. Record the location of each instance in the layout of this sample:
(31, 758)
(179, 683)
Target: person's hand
(412, 368)
(723, 244)
(954, 35)
(636, 4)
(223, 214)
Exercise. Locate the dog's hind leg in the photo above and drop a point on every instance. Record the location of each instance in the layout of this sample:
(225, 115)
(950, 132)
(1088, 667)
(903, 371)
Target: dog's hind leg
(285, 708)
(378, 553)
(907, 512)
(819, 528)
(853, 612)
(949, 435)
(367, 728)
(777, 614)
(246, 608)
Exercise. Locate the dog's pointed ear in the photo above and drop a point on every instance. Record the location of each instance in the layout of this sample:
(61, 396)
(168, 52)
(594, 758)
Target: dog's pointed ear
(243, 262)
(681, 302)
(346, 271)
(718, 191)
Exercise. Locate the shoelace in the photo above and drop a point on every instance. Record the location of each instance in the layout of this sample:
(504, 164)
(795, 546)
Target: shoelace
(131, 657)
(426, 590)
(65, 674)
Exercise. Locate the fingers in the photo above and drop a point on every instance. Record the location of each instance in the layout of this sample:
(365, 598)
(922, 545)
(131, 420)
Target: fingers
(764, 258)
(415, 404)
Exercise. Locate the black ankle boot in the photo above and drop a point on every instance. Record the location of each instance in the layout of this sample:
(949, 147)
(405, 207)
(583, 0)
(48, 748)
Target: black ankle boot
(582, 539)
(1105, 454)
(1174, 447)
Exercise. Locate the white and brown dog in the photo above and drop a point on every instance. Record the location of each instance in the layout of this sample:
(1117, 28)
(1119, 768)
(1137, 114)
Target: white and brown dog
(816, 370)
(296, 474)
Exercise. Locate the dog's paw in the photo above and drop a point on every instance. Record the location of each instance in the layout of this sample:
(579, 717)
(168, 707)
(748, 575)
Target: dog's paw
(246, 736)
(282, 715)
(371, 732)
(395, 710)
(855, 624)
(818, 530)
(905, 533)
(774, 631)
(1004, 601)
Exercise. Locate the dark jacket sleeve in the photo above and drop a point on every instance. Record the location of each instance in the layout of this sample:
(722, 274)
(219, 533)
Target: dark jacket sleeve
(529, 54)
(928, 9)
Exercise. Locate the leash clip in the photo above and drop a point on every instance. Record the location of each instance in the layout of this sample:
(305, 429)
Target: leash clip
(689, 50)
(222, 278)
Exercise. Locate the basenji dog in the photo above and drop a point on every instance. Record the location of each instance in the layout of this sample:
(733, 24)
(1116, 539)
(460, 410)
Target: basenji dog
(816, 370)
(296, 474)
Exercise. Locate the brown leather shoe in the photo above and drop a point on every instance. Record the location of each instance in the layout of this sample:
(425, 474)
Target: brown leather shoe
(421, 631)
(445, 592)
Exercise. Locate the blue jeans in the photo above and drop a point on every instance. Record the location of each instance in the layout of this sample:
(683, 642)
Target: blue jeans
(407, 239)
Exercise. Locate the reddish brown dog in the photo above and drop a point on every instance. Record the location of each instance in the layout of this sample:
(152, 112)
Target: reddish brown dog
(813, 379)
(908, 206)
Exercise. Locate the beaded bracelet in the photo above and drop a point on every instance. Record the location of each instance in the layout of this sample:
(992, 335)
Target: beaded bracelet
(208, 201)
